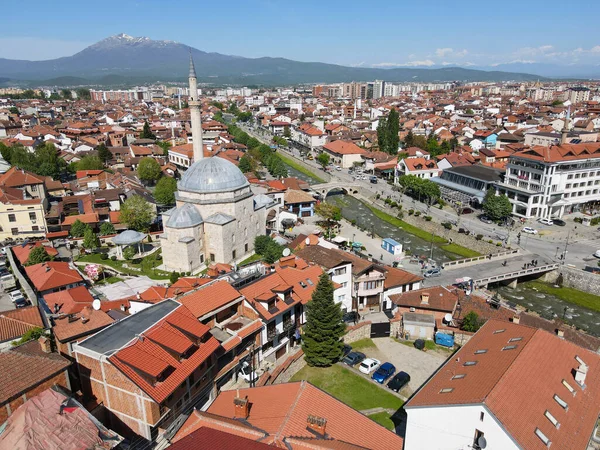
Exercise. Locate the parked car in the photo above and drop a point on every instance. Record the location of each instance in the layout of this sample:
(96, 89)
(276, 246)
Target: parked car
(369, 365)
(347, 349)
(373, 179)
(559, 222)
(400, 380)
(14, 295)
(546, 221)
(3, 250)
(247, 373)
(338, 168)
(530, 230)
(485, 219)
(384, 372)
(433, 273)
(350, 317)
(21, 302)
(353, 358)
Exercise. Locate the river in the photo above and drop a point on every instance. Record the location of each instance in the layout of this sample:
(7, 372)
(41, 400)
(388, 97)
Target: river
(548, 306)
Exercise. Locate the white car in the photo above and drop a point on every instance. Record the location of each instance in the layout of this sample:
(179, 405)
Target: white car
(530, 230)
(338, 168)
(546, 221)
(14, 295)
(369, 365)
(597, 254)
(247, 373)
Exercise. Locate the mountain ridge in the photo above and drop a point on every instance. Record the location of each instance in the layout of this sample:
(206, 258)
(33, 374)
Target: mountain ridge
(142, 57)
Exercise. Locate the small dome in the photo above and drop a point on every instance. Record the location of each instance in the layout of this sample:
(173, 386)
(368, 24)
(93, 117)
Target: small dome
(212, 175)
(185, 216)
(129, 237)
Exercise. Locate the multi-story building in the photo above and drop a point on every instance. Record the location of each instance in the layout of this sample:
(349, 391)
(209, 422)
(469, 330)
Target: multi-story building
(552, 181)
(378, 89)
(578, 94)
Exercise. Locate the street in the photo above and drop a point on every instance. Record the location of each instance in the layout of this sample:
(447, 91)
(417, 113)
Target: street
(551, 242)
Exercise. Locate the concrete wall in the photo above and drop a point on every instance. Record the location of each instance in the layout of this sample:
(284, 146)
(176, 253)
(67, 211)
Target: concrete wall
(357, 332)
(576, 279)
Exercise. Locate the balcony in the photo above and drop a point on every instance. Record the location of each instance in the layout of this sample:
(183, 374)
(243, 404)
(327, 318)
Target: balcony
(271, 333)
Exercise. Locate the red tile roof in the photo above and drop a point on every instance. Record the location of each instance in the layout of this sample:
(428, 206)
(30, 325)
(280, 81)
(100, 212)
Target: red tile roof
(71, 300)
(24, 367)
(16, 177)
(148, 355)
(22, 251)
(52, 275)
(209, 298)
(84, 323)
(344, 148)
(216, 440)
(16, 322)
(565, 152)
(519, 384)
(439, 298)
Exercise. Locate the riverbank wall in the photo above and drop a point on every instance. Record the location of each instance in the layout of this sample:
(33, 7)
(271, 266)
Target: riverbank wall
(576, 279)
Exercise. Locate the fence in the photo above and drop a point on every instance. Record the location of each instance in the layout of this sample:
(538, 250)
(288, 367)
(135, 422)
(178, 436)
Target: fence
(468, 261)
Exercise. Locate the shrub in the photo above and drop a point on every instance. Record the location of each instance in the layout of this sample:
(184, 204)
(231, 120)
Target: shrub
(439, 206)
(428, 218)
(378, 196)
(400, 215)
(479, 237)
(471, 322)
(447, 225)
(490, 242)
(387, 201)
(578, 220)
(394, 204)
(103, 256)
(417, 213)
(498, 244)
(113, 258)
(595, 221)
(149, 238)
(411, 212)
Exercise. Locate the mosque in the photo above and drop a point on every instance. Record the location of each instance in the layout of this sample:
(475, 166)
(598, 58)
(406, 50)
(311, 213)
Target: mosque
(217, 216)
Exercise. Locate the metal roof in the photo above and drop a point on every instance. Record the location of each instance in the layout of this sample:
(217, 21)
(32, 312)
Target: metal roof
(128, 237)
(212, 175)
(185, 216)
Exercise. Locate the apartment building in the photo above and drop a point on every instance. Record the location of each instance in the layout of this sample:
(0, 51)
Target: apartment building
(552, 181)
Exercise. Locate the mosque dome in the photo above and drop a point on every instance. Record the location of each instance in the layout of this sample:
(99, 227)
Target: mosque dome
(210, 175)
(185, 216)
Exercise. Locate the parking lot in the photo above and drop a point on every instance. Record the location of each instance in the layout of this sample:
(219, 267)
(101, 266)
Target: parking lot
(418, 364)
(5, 303)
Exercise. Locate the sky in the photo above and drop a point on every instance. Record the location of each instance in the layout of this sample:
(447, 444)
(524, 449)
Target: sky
(385, 33)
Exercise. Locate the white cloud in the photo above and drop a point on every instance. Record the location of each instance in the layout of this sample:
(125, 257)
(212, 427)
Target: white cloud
(515, 61)
(595, 49)
(441, 52)
(32, 48)
(426, 62)
(360, 64)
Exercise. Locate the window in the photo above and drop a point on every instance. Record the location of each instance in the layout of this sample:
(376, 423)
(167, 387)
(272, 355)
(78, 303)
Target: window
(481, 416)
(542, 437)
(515, 339)
(341, 298)
(470, 363)
(14, 231)
(340, 271)
(570, 388)
(561, 402)
(35, 228)
(12, 218)
(212, 257)
(201, 259)
(459, 376)
(509, 347)
(344, 284)
(246, 247)
(479, 352)
(502, 330)
(32, 216)
(370, 284)
(446, 390)
(552, 419)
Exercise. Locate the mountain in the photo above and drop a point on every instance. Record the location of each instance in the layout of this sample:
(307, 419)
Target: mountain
(141, 57)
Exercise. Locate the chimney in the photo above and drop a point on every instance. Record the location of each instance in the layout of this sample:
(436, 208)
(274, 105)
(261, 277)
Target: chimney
(581, 373)
(316, 424)
(425, 298)
(45, 344)
(241, 407)
(516, 319)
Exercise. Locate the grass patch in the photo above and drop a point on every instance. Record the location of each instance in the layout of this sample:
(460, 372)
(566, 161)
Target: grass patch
(384, 419)
(110, 280)
(362, 344)
(146, 267)
(405, 226)
(300, 168)
(348, 387)
(251, 259)
(569, 295)
(460, 250)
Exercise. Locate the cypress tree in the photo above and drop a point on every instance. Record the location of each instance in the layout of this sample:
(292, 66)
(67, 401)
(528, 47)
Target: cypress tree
(324, 327)
(393, 127)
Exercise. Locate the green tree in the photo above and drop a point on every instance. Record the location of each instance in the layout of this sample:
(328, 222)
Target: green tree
(471, 322)
(323, 159)
(470, 111)
(32, 334)
(129, 252)
(266, 247)
(47, 161)
(409, 139)
(245, 164)
(321, 341)
(13, 110)
(83, 94)
(252, 143)
(164, 193)
(67, 94)
(166, 146)
(174, 277)
(38, 255)
(90, 163)
(261, 243)
(148, 170)
(90, 239)
(137, 213)
(286, 132)
(382, 135)
(496, 207)
(104, 153)
(107, 228)
(331, 215)
(78, 229)
(393, 127)
(147, 132)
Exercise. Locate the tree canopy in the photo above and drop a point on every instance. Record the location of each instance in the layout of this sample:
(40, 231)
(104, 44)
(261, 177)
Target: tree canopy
(137, 213)
(164, 193)
(331, 216)
(147, 132)
(471, 322)
(420, 188)
(324, 327)
(38, 255)
(89, 163)
(148, 170)
(266, 247)
(245, 164)
(44, 160)
(387, 132)
(78, 229)
(90, 239)
(496, 207)
(323, 159)
(107, 228)
(104, 153)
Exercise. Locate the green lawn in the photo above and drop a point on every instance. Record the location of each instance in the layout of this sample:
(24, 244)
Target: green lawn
(109, 280)
(250, 259)
(569, 295)
(384, 419)
(362, 344)
(349, 387)
(300, 168)
(147, 266)
(460, 250)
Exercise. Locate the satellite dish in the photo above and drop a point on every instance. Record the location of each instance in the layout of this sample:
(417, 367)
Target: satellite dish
(448, 318)
(286, 252)
(481, 442)
(307, 241)
(96, 304)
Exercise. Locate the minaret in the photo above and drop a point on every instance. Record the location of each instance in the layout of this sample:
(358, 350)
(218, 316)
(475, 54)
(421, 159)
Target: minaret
(565, 131)
(195, 114)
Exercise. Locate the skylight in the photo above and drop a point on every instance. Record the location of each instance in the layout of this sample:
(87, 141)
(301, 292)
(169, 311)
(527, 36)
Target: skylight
(478, 352)
(568, 386)
(545, 439)
(552, 419)
(509, 347)
(470, 363)
(309, 281)
(515, 339)
(459, 376)
(502, 330)
(561, 402)
(446, 390)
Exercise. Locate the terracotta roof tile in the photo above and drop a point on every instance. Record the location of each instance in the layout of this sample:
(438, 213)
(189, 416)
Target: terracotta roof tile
(438, 298)
(66, 330)
(209, 298)
(16, 322)
(22, 251)
(51, 275)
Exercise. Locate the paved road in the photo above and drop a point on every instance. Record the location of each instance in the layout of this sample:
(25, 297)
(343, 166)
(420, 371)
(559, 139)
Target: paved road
(583, 241)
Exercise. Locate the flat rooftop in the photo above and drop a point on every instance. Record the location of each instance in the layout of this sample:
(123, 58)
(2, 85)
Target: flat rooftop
(115, 336)
(477, 172)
